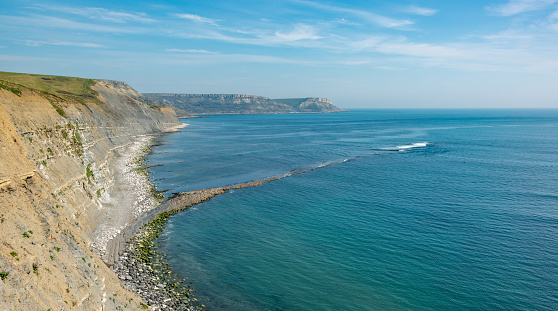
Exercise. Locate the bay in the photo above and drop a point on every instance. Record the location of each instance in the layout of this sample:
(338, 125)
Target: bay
(380, 210)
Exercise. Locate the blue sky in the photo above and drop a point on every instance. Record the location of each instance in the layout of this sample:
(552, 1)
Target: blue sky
(360, 54)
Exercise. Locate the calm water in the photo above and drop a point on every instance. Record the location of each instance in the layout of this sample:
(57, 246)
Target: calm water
(394, 210)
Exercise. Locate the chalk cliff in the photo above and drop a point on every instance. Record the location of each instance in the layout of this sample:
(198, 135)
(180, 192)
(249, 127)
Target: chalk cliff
(202, 104)
(59, 138)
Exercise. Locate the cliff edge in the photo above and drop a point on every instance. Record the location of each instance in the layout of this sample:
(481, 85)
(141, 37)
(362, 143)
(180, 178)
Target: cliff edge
(59, 140)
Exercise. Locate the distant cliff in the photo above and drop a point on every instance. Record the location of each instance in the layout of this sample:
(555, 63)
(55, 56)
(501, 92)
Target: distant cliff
(202, 104)
(126, 89)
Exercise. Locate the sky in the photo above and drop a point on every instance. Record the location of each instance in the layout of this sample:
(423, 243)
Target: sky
(359, 54)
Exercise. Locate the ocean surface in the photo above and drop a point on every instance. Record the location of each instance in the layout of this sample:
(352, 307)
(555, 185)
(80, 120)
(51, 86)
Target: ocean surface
(379, 210)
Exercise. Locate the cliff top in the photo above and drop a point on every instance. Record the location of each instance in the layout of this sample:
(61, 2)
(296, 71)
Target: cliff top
(66, 88)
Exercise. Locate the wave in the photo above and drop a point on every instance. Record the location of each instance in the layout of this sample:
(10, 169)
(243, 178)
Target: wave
(407, 147)
(319, 166)
(415, 145)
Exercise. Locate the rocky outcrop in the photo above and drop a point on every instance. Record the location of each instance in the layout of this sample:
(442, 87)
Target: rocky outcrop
(202, 104)
(311, 105)
(59, 140)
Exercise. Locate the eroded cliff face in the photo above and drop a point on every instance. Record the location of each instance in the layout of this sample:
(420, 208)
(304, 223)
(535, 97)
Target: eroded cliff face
(56, 157)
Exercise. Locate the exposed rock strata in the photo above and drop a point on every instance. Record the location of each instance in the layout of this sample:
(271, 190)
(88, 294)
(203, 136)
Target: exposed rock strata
(58, 153)
(124, 88)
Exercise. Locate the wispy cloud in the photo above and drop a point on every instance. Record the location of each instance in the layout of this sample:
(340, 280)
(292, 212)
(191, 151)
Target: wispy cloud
(197, 18)
(508, 35)
(99, 13)
(299, 33)
(374, 18)
(64, 43)
(413, 9)
(190, 51)
(61, 23)
(514, 7)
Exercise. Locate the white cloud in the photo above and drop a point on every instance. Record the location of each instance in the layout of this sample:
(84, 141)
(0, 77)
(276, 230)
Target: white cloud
(374, 18)
(60, 23)
(508, 36)
(422, 50)
(300, 32)
(514, 7)
(191, 51)
(64, 43)
(99, 13)
(412, 9)
(197, 19)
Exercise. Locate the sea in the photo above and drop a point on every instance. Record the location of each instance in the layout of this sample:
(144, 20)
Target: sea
(376, 210)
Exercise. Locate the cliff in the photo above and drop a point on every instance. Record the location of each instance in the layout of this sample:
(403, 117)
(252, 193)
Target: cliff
(310, 104)
(201, 104)
(124, 88)
(59, 140)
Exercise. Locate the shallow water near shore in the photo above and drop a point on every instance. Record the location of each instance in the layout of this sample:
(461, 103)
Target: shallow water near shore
(381, 210)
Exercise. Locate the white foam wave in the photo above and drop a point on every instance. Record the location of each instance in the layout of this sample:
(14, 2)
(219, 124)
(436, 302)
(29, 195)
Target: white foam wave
(415, 145)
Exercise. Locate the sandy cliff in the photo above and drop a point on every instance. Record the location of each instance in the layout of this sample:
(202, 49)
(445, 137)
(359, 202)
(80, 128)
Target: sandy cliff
(58, 149)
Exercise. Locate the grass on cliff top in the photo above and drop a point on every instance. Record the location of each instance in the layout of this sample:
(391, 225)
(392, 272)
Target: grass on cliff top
(69, 88)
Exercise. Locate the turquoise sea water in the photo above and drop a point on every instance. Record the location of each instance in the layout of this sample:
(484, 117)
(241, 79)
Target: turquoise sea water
(381, 210)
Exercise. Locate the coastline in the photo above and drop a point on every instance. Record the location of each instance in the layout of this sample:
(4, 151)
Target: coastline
(125, 241)
(132, 193)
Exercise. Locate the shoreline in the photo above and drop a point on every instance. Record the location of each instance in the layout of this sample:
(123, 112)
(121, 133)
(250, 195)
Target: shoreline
(129, 249)
(132, 193)
(142, 268)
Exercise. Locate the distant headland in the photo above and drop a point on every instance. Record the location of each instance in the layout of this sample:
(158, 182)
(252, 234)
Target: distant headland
(203, 104)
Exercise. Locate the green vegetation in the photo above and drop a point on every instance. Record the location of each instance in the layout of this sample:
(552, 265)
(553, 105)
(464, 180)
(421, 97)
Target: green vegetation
(55, 105)
(35, 268)
(89, 173)
(6, 85)
(44, 163)
(156, 194)
(25, 235)
(143, 305)
(56, 248)
(14, 254)
(77, 146)
(4, 275)
(57, 88)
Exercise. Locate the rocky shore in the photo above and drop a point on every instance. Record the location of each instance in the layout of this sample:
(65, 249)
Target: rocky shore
(134, 257)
